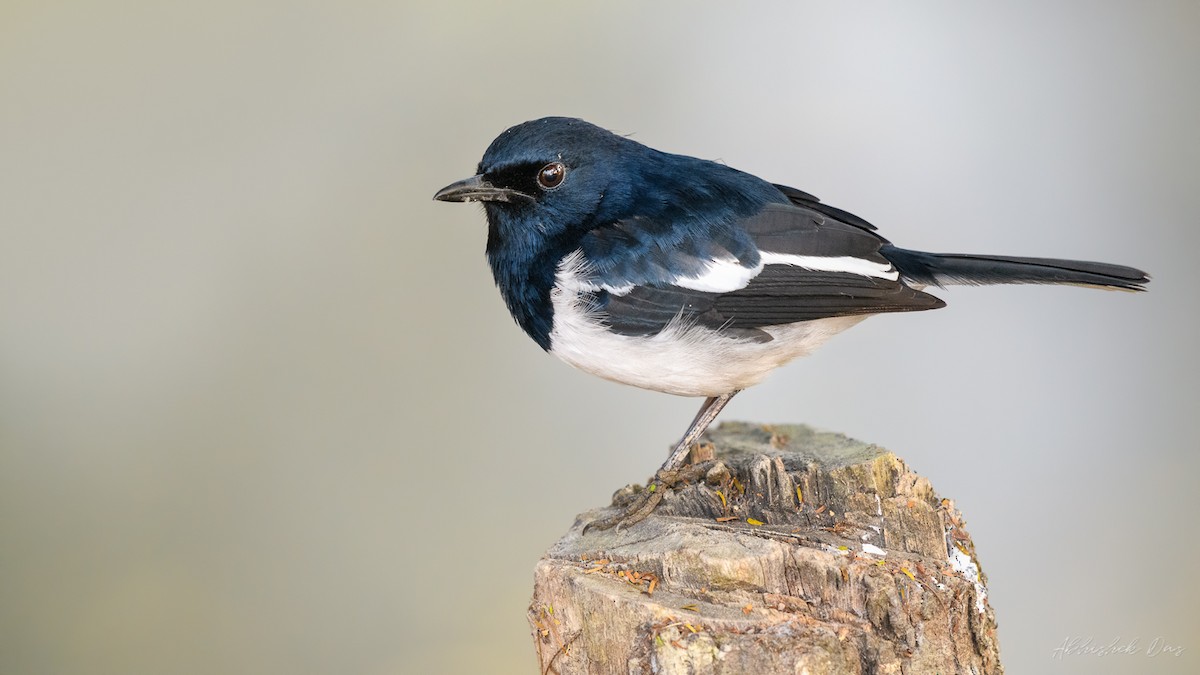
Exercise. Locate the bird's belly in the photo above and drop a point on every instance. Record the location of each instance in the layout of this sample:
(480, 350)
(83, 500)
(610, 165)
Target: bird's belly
(683, 360)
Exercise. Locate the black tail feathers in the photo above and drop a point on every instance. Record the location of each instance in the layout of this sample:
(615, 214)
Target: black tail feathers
(940, 269)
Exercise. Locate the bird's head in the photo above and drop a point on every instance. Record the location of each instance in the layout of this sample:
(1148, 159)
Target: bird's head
(550, 179)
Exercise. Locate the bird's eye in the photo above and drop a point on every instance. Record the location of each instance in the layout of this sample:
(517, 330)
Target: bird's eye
(551, 175)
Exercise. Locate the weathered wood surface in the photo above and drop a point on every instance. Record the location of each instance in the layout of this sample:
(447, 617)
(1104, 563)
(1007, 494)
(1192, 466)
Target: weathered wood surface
(793, 551)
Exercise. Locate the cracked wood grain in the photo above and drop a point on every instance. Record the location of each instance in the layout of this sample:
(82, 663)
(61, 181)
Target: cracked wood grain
(863, 570)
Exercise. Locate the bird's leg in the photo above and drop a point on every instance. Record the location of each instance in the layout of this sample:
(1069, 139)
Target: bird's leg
(708, 412)
(667, 474)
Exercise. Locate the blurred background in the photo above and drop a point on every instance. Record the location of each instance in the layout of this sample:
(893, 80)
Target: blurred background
(263, 411)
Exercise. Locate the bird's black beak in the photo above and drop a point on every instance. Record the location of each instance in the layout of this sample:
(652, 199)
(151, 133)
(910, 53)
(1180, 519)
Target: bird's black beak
(476, 189)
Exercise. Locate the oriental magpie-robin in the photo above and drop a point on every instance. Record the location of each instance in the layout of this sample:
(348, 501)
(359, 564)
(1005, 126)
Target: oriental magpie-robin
(689, 277)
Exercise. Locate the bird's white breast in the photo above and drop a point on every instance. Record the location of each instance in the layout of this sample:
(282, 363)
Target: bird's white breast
(682, 359)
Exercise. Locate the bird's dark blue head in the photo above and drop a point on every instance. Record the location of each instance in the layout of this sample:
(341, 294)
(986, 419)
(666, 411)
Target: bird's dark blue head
(544, 180)
(547, 183)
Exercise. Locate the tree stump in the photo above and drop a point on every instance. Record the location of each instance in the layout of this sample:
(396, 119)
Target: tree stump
(789, 551)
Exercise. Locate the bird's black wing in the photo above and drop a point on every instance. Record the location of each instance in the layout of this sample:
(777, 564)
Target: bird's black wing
(810, 266)
(805, 200)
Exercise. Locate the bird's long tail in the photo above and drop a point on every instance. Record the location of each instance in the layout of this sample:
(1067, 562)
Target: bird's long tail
(940, 269)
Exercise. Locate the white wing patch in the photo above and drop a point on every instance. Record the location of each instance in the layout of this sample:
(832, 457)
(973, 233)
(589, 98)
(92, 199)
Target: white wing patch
(727, 274)
(720, 276)
(845, 264)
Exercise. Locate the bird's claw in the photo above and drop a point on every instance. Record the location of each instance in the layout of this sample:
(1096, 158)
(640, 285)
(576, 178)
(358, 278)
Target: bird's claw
(641, 506)
(633, 514)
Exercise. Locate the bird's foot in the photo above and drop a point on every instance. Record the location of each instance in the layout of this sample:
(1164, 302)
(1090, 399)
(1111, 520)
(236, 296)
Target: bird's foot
(644, 502)
(643, 505)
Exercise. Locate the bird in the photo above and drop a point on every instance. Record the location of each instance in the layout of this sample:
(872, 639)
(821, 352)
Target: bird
(689, 277)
